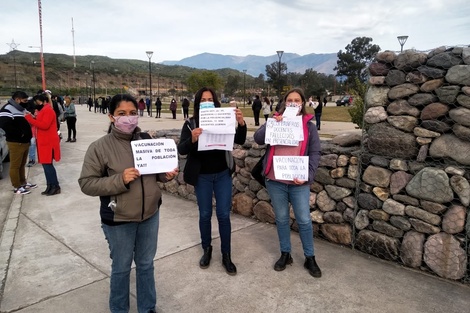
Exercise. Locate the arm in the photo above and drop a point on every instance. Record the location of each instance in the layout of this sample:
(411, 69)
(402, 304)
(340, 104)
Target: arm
(42, 121)
(93, 179)
(186, 145)
(313, 151)
(260, 135)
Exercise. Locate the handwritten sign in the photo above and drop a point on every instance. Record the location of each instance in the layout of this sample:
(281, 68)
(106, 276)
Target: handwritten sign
(218, 120)
(287, 132)
(290, 167)
(155, 155)
(209, 141)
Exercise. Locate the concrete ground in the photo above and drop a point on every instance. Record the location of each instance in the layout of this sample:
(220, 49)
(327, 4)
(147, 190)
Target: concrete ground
(54, 258)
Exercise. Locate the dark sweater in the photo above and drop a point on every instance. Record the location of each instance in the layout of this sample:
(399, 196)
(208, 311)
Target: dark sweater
(14, 124)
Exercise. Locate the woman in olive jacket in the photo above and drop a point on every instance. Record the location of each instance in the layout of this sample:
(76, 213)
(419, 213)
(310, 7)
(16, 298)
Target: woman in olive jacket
(129, 205)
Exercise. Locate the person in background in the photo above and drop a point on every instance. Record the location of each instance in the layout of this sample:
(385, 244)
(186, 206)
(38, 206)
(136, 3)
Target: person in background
(47, 141)
(32, 147)
(185, 106)
(141, 106)
(173, 108)
(297, 192)
(18, 136)
(130, 204)
(266, 108)
(325, 101)
(89, 103)
(256, 107)
(148, 105)
(211, 174)
(318, 112)
(71, 119)
(158, 106)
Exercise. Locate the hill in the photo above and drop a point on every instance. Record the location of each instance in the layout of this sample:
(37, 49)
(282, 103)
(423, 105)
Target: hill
(255, 65)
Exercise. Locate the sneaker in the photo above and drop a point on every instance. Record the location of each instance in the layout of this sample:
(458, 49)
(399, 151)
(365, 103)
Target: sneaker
(29, 186)
(21, 191)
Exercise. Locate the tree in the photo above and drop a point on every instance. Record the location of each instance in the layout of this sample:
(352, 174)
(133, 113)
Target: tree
(272, 73)
(356, 110)
(353, 62)
(200, 79)
(232, 85)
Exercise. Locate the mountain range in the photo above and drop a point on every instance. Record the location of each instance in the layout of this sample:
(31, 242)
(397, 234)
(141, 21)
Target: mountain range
(255, 65)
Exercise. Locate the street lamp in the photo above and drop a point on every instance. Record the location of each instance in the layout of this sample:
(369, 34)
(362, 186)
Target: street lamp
(13, 47)
(279, 54)
(149, 55)
(402, 40)
(92, 65)
(244, 96)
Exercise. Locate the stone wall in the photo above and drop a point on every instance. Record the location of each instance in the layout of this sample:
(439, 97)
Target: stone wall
(415, 163)
(400, 192)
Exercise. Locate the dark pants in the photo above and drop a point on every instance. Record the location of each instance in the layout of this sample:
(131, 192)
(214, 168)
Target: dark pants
(71, 130)
(174, 114)
(256, 116)
(51, 174)
(185, 112)
(317, 119)
(159, 112)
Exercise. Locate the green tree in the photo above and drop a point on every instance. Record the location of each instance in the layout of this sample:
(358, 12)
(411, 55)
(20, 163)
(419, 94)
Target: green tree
(272, 73)
(353, 62)
(356, 110)
(200, 79)
(233, 85)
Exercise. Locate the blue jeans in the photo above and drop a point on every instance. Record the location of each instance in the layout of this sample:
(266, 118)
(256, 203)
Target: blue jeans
(281, 194)
(219, 184)
(136, 241)
(317, 119)
(32, 150)
(51, 174)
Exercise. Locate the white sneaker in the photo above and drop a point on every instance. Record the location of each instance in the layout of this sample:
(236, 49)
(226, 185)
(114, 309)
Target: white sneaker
(29, 186)
(21, 191)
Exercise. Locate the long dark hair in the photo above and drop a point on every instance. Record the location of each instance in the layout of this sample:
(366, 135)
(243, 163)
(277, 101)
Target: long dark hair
(303, 111)
(197, 102)
(116, 101)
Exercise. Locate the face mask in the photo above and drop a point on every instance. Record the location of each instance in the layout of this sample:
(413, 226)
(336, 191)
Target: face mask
(294, 105)
(206, 105)
(126, 124)
(39, 107)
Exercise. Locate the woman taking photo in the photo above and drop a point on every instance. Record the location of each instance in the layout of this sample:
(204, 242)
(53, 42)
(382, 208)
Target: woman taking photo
(129, 205)
(297, 192)
(47, 141)
(210, 172)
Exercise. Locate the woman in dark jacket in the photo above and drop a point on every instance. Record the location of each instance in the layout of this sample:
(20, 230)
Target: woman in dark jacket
(210, 172)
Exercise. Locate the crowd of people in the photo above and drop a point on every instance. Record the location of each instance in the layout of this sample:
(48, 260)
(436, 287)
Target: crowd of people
(130, 202)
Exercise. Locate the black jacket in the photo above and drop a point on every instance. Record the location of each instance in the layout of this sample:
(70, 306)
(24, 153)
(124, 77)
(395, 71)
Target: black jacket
(193, 162)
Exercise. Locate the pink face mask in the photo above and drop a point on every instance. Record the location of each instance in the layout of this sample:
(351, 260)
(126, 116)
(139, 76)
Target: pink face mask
(126, 124)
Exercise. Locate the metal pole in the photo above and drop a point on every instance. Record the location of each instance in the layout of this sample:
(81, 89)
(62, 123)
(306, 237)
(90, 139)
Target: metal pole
(94, 81)
(149, 55)
(244, 95)
(43, 70)
(279, 54)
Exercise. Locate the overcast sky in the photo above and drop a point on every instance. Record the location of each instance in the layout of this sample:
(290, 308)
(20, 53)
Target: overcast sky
(176, 29)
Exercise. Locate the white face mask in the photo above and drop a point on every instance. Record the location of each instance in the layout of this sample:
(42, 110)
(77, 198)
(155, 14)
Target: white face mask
(126, 124)
(206, 105)
(294, 105)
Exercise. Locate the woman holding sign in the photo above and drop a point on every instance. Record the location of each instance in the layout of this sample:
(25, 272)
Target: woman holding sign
(293, 190)
(210, 172)
(129, 207)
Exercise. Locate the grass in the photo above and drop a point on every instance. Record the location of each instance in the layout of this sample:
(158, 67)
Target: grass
(330, 113)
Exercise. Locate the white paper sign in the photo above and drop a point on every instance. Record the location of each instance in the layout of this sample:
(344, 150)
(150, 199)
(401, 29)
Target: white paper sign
(290, 167)
(153, 156)
(207, 141)
(287, 132)
(290, 112)
(218, 120)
